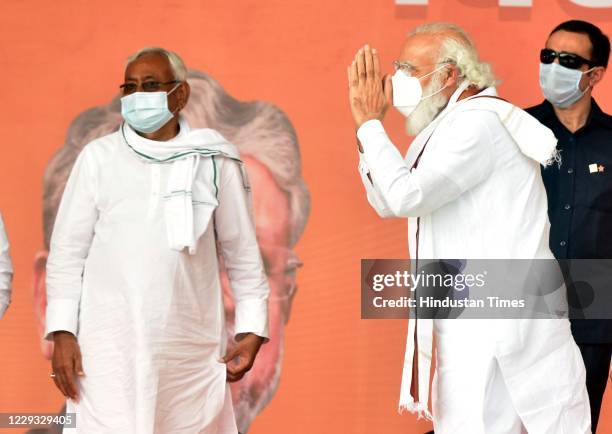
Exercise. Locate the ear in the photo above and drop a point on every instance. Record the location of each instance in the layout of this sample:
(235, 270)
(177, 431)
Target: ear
(40, 299)
(453, 76)
(183, 94)
(596, 75)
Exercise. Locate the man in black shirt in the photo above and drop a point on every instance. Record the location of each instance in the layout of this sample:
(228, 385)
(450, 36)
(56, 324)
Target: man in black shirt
(579, 191)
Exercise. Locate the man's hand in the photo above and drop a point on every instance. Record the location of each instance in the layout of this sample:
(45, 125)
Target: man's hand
(369, 94)
(66, 363)
(240, 358)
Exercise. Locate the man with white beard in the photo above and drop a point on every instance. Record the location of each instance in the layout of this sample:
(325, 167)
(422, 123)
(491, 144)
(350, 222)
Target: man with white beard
(470, 186)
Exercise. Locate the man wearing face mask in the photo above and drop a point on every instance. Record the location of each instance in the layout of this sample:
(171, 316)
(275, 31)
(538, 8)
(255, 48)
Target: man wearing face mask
(458, 187)
(135, 305)
(573, 62)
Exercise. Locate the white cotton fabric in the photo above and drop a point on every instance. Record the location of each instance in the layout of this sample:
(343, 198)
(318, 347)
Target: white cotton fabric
(150, 319)
(6, 270)
(479, 194)
(184, 153)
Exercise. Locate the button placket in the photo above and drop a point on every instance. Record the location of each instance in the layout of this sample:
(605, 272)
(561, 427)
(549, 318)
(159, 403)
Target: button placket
(155, 190)
(572, 193)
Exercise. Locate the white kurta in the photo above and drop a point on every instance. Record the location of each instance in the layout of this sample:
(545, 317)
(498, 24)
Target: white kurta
(6, 270)
(149, 319)
(478, 196)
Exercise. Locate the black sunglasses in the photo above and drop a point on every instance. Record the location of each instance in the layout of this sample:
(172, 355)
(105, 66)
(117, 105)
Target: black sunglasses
(569, 60)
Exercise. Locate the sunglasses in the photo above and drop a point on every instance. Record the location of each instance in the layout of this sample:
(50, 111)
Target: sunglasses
(569, 60)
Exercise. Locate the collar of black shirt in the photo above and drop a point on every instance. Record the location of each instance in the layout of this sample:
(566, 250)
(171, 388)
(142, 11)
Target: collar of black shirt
(545, 110)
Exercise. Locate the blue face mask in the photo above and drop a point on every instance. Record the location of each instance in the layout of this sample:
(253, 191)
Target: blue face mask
(147, 112)
(561, 85)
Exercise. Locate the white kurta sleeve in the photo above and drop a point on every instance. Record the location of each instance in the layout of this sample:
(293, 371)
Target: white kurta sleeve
(236, 235)
(459, 160)
(375, 198)
(6, 270)
(70, 241)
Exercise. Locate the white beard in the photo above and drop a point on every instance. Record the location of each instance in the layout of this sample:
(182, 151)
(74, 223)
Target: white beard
(427, 110)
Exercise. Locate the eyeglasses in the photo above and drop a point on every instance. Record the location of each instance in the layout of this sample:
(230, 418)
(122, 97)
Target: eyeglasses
(569, 60)
(147, 86)
(409, 69)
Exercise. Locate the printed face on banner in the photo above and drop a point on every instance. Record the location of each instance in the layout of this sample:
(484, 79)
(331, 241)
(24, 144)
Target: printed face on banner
(280, 200)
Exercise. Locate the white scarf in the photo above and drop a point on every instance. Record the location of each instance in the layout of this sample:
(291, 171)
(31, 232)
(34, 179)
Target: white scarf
(184, 153)
(536, 142)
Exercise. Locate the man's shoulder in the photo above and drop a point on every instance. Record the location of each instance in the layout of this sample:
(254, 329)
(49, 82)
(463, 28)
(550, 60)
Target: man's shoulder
(100, 151)
(214, 141)
(466, 125)
(607, 120)
(540, 111)
(471, 114)
(103, 144)
(604, 118)
(209, 134)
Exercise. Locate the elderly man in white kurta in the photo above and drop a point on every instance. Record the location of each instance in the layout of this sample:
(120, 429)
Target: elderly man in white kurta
(6, 270)
(135, 304)
(470, 187)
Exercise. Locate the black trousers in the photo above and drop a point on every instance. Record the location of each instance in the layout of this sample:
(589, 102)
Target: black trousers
(597, 363)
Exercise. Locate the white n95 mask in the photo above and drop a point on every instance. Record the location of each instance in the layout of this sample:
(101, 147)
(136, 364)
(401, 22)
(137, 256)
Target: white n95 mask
(408, 92)
(147, 112)
(561, 85)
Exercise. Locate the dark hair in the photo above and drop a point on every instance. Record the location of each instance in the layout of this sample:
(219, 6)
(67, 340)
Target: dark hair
(600, 44)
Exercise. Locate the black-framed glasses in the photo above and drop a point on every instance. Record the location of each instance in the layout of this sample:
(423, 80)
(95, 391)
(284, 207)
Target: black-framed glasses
(569, 60)
(147, 86)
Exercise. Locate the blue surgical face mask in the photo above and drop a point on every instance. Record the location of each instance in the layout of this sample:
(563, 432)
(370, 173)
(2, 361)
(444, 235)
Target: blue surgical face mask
(561, 85)
(147, 112)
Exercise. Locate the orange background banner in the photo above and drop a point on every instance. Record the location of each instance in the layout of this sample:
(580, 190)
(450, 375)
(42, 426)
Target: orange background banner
(340, 374)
